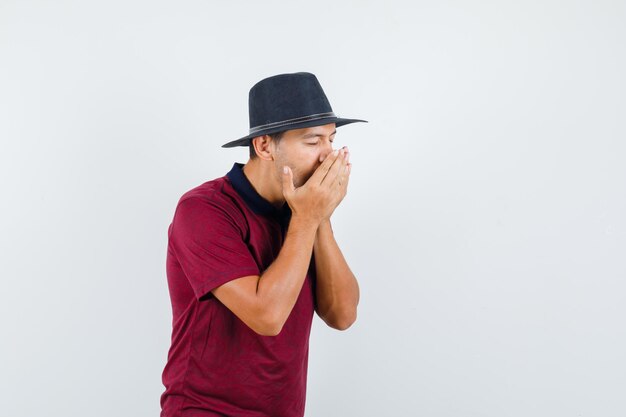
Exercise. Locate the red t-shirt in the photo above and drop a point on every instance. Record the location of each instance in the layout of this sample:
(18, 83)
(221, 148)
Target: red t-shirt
(218, 366)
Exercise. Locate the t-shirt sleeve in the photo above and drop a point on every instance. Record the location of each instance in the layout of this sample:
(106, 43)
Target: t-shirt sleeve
(209, 245)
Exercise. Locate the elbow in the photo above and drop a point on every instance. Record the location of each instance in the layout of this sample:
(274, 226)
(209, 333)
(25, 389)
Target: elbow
(271, 329)
(268, 329)
(344, 323)
(269, 325)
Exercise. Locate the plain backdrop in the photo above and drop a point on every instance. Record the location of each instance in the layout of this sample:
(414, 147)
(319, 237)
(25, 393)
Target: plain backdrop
(485, 218)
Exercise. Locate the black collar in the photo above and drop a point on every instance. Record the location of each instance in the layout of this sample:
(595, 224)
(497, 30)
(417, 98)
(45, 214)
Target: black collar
(255, 201)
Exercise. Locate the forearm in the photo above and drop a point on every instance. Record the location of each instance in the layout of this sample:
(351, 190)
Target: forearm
(337, 290)
(281, 283)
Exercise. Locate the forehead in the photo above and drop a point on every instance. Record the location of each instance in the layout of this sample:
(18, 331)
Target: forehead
(314, 131)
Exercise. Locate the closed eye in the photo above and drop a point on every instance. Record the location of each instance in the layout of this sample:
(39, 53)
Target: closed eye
(316, 143)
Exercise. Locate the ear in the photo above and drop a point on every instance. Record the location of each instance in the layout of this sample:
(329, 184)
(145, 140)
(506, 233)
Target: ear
(262, 147)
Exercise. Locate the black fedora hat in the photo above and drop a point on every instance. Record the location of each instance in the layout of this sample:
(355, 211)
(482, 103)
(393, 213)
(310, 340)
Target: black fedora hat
(287, 101)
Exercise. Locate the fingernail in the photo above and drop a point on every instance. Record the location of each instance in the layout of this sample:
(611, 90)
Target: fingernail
(336, 152)
(284, 170)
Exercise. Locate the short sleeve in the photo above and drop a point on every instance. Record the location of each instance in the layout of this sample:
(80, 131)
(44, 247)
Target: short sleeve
(209, 245)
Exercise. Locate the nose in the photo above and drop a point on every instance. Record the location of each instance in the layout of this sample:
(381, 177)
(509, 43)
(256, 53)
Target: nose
(328, 149)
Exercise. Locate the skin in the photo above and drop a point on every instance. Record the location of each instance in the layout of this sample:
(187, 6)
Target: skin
(314, 185)
(300, 153)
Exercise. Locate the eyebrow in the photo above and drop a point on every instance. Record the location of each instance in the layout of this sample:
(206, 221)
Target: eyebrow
(312, 135)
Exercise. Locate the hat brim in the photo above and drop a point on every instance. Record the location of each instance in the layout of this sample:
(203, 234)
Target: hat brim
(245, 141)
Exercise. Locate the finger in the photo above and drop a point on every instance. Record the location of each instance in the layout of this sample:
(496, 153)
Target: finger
(339, 164)
(321, 171)
(330, 153)
(288, 187)
(347, 175)
(343, 178)
(338, 180)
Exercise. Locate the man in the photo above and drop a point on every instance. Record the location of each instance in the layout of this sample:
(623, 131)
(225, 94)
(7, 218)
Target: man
(251, 255)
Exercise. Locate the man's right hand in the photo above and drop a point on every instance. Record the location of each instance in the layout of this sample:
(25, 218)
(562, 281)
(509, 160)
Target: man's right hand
(321, 194)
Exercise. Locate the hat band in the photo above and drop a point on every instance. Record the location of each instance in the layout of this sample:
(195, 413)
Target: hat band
(292, 121)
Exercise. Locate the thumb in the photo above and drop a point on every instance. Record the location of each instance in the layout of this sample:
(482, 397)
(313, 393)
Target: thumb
(288, 187)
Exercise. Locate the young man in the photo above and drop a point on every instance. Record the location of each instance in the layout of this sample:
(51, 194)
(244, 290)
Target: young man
(251, 255)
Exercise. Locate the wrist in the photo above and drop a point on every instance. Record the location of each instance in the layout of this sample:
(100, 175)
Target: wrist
(324, 226)
(304, 221)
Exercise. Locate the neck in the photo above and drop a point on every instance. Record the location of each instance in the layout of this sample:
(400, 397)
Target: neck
(262, 176)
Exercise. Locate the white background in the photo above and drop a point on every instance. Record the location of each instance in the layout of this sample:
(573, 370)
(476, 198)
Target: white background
(485, 219)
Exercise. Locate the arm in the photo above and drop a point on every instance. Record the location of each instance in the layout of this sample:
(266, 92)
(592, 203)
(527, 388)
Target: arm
(282, 281)
(337, 290)
(265, 302)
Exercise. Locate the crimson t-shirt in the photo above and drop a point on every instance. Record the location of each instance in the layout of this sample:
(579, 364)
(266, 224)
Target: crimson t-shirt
(218, 366)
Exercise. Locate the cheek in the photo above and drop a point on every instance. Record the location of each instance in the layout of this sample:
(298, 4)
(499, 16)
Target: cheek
(311, 155)
(305, 165)
(304, 158)
(311, 161)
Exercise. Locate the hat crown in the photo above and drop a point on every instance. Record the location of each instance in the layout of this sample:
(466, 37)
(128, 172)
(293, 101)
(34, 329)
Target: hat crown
(286, 96)
(286, 102)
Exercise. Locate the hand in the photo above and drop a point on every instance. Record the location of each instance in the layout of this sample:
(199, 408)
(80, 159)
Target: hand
(325, 189)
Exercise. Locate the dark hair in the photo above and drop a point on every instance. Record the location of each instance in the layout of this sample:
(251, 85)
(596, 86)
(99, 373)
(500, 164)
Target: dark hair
(276, 137)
